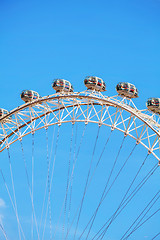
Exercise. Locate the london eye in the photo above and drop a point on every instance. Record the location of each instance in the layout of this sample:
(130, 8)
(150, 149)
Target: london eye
(80, 165)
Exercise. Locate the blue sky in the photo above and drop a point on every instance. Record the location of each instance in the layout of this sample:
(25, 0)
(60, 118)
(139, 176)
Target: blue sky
(115, 40)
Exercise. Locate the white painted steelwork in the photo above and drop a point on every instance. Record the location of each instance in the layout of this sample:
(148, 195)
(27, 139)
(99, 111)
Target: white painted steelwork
(89, 106)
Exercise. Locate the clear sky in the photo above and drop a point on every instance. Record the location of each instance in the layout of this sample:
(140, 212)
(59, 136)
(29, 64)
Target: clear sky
(117, 40)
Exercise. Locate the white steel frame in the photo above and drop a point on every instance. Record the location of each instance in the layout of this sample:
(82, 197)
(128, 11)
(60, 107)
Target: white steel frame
(89, 106)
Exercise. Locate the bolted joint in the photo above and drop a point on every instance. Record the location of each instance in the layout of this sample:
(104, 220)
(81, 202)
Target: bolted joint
(86, 121)
(20, 139)
(73, 121)
(100, 123)
(126, 134)
(59, 123)
(33, 131)
(138, 141)
(113, 127)
(149, 151)
(7, 146)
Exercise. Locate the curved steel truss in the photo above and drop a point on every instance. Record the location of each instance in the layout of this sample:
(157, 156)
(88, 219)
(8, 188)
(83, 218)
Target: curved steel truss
(88, 106)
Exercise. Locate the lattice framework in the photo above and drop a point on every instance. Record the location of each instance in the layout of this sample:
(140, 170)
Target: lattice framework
(88, 106)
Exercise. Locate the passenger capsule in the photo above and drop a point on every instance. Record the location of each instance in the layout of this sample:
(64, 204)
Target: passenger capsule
(61, 85)
(95, 83)
(153, 104)
(29, 95)
(3, 113)
(127, 90)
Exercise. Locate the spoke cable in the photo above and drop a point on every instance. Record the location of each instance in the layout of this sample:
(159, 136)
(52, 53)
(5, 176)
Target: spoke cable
(67, 185)
(71, 181)
(93, 176)
(142, 213)
(46, 181)
(3, 231)
(143, 222)
(130, 197)
(32, 180)
(53, 165)
(105, 194)
(49, 193)
(114, 215)
(100, 157)
(11, 200)
(14, 194)
(86, 182)
(67, 203)
(155, 236)
(72, 174)
(29, 188)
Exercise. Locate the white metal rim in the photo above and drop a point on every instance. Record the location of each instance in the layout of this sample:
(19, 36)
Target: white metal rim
(141, 125)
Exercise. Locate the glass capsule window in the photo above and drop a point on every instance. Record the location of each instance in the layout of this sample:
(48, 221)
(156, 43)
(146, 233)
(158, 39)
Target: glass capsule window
(61, 83)
(118, 87)
(93, 80)
(153, 102)
(122, 86)
(99, 82)
(132, 89)
(88, 80)
(67, 85)
(104, 86)
(156, 102)
(29, 93)
(125, 85)
(5, 112)
(55, 83)
(35, 95)
(149, 103)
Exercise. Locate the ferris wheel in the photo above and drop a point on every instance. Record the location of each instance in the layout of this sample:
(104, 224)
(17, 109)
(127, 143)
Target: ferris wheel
(95, 177)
